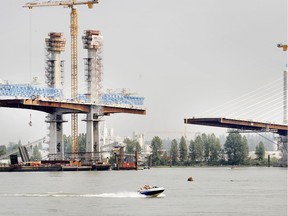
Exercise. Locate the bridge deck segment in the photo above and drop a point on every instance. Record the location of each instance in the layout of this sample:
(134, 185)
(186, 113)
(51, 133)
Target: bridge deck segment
(239, 124)
(66, 107)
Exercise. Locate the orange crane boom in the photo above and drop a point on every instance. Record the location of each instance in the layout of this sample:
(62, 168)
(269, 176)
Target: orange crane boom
(283, 46)
(74, 52)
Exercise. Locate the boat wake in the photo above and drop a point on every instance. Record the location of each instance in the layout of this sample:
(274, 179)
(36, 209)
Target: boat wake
(60, 194)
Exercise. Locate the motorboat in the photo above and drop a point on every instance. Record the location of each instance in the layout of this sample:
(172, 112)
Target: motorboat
(151, 191)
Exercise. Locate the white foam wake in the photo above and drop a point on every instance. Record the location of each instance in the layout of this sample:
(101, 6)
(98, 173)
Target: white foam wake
(57, 194)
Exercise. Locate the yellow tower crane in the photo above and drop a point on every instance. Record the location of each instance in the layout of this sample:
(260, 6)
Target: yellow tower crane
(74, 52)
(283, 46)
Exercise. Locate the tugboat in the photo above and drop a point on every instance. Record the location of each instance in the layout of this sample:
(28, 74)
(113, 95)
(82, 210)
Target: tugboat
(151, 191)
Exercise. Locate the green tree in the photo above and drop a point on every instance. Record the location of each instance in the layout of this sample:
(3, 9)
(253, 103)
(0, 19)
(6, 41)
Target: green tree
(192, 151)
(206, 146)
(183, 150)
(236, 148)
(67, 144)
(3, 150)
(36, 155)
(40, 146)
(174, 153)
(132, 146)
(198, 148)
(164, 159)
(215, 149)
(245, 150)
(260, 151)
(13, 146)
(82, 142)
(156, 146)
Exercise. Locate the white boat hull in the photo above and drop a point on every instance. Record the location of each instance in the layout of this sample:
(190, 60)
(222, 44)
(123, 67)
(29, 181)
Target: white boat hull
(152, 192)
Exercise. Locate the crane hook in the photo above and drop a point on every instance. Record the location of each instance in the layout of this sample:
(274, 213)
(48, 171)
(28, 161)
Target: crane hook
(30, 122)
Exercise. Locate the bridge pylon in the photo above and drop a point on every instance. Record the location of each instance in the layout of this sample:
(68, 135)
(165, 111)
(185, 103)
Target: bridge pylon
(285, 121)
(92, 41)
(55, 44)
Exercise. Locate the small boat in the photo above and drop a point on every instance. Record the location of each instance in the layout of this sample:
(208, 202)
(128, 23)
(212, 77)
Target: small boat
(151, 191)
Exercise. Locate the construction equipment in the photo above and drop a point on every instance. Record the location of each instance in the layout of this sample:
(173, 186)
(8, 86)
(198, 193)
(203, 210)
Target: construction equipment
(283, 46)
(74, 52)
(42, 140)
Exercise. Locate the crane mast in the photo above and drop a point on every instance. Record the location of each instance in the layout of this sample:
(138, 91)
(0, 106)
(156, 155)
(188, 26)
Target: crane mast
(74, 75)
(74, 53)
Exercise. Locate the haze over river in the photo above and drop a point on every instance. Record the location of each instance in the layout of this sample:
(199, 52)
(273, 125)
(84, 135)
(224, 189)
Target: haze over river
(244, 191)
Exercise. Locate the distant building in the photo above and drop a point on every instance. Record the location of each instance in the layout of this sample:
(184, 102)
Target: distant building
(273, 154)
(139, 137)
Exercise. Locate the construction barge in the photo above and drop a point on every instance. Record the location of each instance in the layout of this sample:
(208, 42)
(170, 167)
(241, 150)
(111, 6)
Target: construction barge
(122, 161)
(51, 166)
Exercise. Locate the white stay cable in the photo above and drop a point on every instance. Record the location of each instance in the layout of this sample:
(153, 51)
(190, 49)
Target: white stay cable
(251, 107)
(241, 100)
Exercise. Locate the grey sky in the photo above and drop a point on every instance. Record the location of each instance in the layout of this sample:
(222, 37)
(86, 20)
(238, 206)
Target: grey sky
(183, 56)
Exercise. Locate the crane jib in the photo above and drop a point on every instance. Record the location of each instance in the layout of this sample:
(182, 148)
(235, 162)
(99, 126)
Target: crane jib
(68, 4)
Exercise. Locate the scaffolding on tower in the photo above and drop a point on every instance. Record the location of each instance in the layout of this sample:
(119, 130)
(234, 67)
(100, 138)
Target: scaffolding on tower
(74, 52)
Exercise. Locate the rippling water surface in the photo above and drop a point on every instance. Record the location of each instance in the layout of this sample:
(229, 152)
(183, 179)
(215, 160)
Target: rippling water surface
(214, 191)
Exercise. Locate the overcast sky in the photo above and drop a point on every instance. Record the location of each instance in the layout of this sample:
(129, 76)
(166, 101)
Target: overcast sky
(185, 57)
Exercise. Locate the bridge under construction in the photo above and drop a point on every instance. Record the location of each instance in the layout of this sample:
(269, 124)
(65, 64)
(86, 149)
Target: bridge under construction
(253, 126)
(95, 103)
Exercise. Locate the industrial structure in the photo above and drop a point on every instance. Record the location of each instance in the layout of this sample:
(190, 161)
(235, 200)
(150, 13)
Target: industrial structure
(50, 99)
(285, 121)
(54, 73)
(125, 161)
(92, 41)
(74, 52)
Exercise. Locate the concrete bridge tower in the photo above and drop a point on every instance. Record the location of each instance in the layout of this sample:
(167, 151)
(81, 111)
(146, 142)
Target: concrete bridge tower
(284, 138)
(92, 41)
(54, 72)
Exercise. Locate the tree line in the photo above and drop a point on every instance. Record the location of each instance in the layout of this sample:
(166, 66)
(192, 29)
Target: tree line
(35, 154)
(207, 150)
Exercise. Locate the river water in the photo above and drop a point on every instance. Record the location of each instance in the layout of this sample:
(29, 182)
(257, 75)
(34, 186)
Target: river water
(214, 191)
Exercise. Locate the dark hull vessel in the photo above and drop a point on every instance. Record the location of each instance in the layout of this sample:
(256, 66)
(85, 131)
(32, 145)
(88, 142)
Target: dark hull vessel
(20, 168)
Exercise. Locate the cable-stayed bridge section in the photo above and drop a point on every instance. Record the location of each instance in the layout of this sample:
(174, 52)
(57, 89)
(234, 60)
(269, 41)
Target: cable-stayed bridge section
(262, 110)
(240, 124)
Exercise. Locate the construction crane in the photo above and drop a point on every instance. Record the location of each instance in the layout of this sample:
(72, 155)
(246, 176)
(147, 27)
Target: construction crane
(283, 46)
(74, 52)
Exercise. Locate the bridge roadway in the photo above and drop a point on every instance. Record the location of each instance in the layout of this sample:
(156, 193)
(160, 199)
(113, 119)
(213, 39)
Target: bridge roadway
(239, 124)
(67, 107)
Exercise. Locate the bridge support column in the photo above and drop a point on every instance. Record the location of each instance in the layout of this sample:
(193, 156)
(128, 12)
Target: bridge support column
(93, 135)
(96, 139)
(283, 147)
(285, 97)
(56, 144)
(92, 41)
